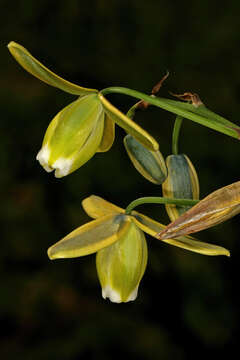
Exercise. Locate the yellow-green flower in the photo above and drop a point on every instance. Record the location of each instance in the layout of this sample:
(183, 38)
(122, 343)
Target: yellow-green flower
(119, 241)
(81, 129)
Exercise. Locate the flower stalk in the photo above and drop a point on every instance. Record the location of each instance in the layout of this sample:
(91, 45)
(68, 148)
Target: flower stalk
(158, 200)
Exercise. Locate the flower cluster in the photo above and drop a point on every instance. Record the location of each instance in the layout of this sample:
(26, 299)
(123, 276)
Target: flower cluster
(117, 236)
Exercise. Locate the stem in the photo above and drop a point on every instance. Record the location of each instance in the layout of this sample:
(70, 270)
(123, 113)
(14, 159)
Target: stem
(175, 135)
(199, 114)
(158, 200)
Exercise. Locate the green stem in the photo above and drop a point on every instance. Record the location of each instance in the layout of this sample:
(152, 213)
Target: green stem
(175, 135)
(199, 114)
(158, 200)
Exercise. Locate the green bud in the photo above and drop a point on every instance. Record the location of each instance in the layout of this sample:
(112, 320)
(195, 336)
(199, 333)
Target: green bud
(73, 136)
(182, 182)
(150, 164)
(121, 265)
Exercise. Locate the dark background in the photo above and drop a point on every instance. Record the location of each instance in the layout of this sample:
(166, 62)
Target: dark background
(188, 304)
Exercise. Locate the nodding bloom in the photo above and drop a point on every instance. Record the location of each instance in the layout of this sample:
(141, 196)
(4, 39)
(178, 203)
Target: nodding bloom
(120, 244)
(81, 129)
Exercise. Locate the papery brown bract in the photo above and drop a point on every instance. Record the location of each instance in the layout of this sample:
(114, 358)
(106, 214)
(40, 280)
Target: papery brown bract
(214, 209)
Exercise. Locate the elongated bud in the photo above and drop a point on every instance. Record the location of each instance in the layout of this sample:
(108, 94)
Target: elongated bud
(73, 136)
(182, 182)
(121, 265)
(214, 209)
(150, 164)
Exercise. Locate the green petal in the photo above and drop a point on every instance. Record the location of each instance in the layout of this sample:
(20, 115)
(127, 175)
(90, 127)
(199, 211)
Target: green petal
(121, 265)
(88, 238)
(153, 227)
(34, 67)
(188, 243)
(127, 124)
(97, 207)
(108, 135)
(90, 147)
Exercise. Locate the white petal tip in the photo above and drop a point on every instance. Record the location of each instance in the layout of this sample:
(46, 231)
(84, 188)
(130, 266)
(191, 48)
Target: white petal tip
(115, 297)
(43, 157)
(62, 166)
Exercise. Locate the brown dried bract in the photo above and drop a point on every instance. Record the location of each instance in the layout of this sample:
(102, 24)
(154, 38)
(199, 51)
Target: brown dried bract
(188, 96)
(158, 86)
(143, 105)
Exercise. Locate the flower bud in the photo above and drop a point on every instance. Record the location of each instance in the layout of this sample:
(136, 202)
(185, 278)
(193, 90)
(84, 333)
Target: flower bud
(150, 164)
(73, 136)
(121, 265)
(182, 182)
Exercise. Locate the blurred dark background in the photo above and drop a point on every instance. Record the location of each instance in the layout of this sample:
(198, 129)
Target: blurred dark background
(188, 304)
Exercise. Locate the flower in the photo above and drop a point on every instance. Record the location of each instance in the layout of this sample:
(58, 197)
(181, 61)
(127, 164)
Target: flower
(81, 129)
(119, 241)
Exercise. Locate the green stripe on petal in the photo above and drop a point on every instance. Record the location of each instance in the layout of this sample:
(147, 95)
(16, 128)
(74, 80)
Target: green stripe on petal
(127, 124)
(108, 135)
(97, 207)
(88, 238)
(153, 227)
(34, 67)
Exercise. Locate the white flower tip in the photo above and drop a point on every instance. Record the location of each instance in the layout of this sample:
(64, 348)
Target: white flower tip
(133, 295)
(43, 157)
(115, 296)
(62, 166)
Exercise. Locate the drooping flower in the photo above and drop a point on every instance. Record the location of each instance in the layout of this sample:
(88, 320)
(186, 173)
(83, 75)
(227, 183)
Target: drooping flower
(119, 241)
(81, 129)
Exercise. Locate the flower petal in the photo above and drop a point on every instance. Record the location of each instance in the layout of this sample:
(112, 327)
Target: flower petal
(188, 243)
(121, 265)
(153, 227)
(127, 124)
(96, 207)
(34, 67)
(108, 135)
(88, 238)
